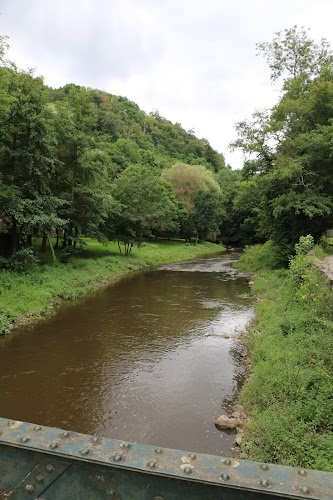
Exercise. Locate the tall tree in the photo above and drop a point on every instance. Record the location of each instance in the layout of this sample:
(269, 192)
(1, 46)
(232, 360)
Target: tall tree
(197, 189)
(290, 147)
(147, 206)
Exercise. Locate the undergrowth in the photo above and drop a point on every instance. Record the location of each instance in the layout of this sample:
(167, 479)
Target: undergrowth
(290, 395)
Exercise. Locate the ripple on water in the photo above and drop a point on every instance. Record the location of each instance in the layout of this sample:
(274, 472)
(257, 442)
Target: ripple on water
(143, 360)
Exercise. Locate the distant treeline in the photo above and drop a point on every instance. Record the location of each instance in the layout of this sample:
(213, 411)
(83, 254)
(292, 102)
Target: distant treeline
(77, 161)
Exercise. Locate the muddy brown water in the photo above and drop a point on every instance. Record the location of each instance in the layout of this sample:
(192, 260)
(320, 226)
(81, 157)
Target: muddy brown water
(142, 360)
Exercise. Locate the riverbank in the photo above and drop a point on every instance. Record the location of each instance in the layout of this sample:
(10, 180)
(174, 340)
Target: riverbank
(31, 295)
(289, 394)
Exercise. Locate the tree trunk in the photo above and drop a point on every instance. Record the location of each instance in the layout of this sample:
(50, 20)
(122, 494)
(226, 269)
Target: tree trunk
(57, 241)
(14, 238)
(119, 248)
(64, 243)
(43, 245)
(51, 248)
(74, 172)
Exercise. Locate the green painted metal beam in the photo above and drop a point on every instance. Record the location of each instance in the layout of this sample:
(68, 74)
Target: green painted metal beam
(51, 464)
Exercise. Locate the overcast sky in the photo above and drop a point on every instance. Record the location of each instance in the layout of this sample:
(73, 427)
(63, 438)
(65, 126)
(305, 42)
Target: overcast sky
(193, 60)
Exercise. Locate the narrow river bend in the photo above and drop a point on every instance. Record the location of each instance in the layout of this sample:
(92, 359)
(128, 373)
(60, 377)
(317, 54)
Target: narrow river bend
(142, 360)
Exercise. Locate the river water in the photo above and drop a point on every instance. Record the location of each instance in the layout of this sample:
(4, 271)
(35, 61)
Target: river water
(142, 360)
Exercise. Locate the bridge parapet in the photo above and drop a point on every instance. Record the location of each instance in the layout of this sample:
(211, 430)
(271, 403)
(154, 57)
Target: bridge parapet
(47, 463)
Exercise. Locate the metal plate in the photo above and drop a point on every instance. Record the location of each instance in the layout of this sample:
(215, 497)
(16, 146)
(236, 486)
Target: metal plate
(233, 477)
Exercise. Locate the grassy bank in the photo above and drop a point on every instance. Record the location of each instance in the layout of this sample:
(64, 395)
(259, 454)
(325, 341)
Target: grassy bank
(27, 295)
(290, 394)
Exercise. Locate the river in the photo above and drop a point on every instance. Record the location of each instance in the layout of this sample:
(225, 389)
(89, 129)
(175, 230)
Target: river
(141, 360)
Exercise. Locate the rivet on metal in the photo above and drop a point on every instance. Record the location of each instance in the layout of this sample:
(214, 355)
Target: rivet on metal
(50, 469)
(24, 440)
(11, 422)
(37, 428)
(227, 461)
(188, 470)
(264, 467)
(225, 476)
(152, 464)
(40, 478)
(84, 452)
(302, 472)
(264, 483)
(100, 477)
(192, 456)
(65, 434)
(117, 458)
(158, 451)
(54, 446)
(111, 493)
(29, 488)
(304, 489)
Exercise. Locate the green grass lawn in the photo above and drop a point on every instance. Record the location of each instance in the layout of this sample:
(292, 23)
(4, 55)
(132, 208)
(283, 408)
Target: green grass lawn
(29, 294)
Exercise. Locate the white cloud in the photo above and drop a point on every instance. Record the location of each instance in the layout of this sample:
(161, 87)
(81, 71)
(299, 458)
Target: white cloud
(194, 61)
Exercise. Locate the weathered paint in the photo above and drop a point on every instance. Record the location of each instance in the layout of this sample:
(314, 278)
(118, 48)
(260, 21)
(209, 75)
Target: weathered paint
(49, 463)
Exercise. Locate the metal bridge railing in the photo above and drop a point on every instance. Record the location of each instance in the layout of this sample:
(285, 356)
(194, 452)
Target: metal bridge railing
(46, 463)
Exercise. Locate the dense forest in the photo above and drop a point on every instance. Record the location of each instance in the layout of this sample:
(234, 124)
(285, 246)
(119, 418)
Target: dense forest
(78, 161)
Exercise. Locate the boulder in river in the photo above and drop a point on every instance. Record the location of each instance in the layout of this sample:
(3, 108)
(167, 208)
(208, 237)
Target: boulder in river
(228, 422)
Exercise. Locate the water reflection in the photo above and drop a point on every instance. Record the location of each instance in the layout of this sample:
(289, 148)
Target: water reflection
(143, 360)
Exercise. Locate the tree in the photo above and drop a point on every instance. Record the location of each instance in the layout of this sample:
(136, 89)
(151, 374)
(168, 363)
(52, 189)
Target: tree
(27, 159)
(290, 147)
(294, 53)
(196, 188)
(208, 214)
(147, 205)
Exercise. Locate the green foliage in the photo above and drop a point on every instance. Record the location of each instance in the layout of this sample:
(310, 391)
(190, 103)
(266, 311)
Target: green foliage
(291, 341)
(65, 152)
(196, 188)
(292, 52)
(19, 261)
(300, 264)
(258, 257)
(289, 147)
(147, 206)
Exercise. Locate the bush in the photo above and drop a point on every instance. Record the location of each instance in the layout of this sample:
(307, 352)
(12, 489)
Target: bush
(258, 257)
(19, 262)
(289, 396)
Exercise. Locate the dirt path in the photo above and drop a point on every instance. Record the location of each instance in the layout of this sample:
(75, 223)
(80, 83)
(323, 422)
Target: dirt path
(326, 266)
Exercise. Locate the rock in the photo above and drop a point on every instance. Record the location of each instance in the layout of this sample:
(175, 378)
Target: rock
(225, 336)
(244, 354)
(227, 422)
(239, 438)
(233, 273)
(240, 414)
(250, 283)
